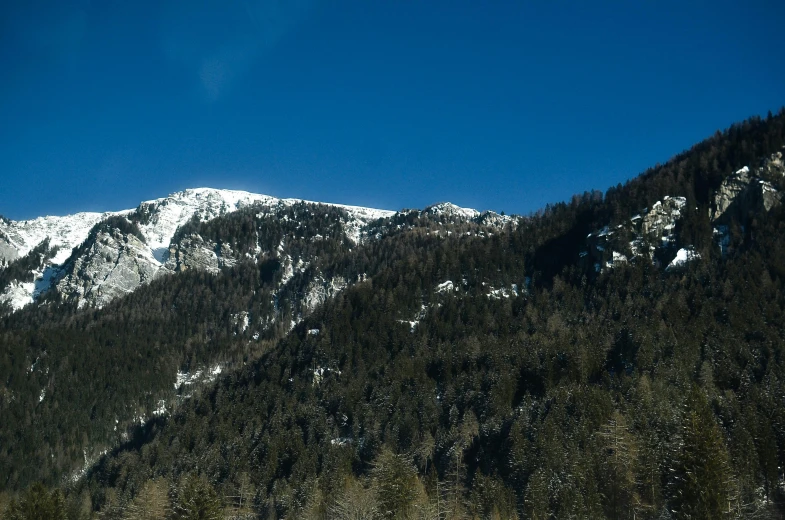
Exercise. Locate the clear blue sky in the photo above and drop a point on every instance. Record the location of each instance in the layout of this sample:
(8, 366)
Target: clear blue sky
(492, 105)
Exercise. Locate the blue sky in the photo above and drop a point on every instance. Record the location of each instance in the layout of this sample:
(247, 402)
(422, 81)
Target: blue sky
(492, 105)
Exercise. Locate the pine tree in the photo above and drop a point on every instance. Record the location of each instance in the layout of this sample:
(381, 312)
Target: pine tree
(241, 504)
(38, 503)
(704, 483)
(196, 499)
(396, 484)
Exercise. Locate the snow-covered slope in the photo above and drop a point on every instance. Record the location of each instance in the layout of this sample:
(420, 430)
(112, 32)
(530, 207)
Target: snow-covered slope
(111, 266)
(169, 213)
(17, 238)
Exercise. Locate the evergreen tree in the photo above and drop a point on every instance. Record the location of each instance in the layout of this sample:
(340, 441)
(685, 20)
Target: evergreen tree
(37, 503)
(396, 485)
(704, 481)
(196, 499)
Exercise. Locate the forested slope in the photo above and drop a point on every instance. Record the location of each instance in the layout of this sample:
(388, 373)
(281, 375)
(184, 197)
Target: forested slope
(466, 371)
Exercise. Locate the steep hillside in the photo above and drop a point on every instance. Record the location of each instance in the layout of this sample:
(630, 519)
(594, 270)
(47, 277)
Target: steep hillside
(228, 288)
(95, 262)
(616, 356)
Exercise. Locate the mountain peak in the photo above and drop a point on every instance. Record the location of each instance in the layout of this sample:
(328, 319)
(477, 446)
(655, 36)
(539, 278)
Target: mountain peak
(450, 209)
(158, 220)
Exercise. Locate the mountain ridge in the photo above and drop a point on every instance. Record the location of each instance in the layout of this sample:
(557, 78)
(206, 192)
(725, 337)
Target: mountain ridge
(164, 216)
(578, 362)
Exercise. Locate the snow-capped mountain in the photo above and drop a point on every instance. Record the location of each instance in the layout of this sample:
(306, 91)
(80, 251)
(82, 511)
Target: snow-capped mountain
(94, 258)
(115, 263)
(167, 214)
(17, 238)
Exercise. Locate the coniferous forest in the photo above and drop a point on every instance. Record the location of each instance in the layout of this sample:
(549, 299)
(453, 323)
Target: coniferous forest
(463, 370)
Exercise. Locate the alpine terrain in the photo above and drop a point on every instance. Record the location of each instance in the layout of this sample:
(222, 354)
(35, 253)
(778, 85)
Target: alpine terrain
(223, 354)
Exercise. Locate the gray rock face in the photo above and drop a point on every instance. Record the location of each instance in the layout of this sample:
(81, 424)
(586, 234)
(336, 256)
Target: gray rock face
(729, 192)
(660, 220)
(320, 290)
(743, 192)
(773, 167)
(114, 265)
(493, 219)
(193, 252)
(8, 252)
(647, 236)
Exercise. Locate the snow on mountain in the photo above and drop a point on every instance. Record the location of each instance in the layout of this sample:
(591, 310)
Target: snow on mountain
(173, 211)
(651, 231)
(169, 213)
(682, 257)
(450, 209)
(18, 294)
(116, 262)
(17, 238)
(96, 277)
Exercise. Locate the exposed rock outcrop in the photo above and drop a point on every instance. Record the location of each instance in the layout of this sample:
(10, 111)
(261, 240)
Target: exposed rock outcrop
(650, 235)
(8, 252)
(773, 167)
(110, 266)
(743, 191)
(320, 289)
(659, 222)
(193, 252)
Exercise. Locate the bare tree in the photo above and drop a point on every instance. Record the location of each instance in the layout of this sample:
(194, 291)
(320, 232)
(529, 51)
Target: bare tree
(150, 503)
(356, 502)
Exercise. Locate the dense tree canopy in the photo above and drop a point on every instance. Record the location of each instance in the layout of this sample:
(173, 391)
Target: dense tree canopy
(532, 386)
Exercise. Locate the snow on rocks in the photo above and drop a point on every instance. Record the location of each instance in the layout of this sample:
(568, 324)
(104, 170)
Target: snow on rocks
(416, 321)
(616, 260)
(498, 294)
(158, 221)
(18, 294)
(650, 230)
(683, 256)
(199, 376)
(241, 320)
(17, 238)
(321, 289)
(451, 210)
(116, 265)
(169, 213)
(161, 410)
(661, 219)
(319, 373)
(412, 324)
(186, 378)
(446, 287)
